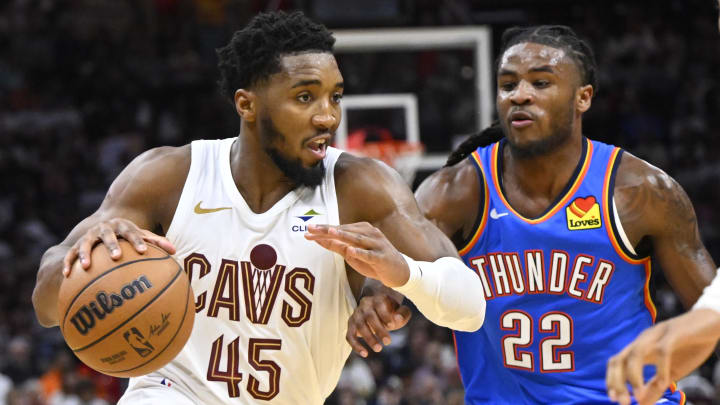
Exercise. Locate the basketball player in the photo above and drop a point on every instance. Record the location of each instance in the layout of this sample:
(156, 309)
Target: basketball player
(560, 229)
(272, 306)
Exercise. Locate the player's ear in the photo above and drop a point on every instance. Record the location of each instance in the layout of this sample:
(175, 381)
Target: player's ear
(245, 104)
(583, 97)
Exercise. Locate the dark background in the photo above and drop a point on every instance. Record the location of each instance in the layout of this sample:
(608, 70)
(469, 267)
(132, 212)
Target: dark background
(86, 85)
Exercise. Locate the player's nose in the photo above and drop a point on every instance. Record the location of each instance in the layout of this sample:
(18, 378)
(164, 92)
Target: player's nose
(326, 117)
(524, 93)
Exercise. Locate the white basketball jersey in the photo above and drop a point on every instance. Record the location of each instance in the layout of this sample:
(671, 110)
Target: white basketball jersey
(271, 306)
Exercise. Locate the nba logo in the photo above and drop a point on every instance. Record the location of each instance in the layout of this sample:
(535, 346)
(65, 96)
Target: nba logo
(137, 341)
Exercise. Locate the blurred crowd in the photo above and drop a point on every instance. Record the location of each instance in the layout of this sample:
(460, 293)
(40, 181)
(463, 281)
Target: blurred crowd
(86, 85)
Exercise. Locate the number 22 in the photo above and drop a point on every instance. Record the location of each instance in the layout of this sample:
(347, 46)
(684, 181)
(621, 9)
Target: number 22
(552, 359)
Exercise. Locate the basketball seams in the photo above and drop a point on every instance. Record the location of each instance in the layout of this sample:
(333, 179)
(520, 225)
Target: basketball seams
(160, 293)
(99, 276)
(170, 342)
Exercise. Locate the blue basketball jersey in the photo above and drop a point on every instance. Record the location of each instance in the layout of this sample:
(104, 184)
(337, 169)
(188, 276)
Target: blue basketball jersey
(563, 292)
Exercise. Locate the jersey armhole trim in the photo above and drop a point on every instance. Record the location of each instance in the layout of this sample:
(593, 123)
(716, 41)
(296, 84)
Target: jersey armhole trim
(615, 231)
(195, 164)
(481, 219)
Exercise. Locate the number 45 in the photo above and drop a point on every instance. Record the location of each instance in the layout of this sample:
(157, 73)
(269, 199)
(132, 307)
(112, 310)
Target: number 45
(552, 360)
(232, 375)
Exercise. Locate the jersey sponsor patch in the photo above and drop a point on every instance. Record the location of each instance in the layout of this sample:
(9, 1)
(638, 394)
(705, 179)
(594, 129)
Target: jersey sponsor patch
(305, 217)
(583, 213)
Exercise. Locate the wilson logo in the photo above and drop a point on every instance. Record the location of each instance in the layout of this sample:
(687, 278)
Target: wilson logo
(583, 213)
(104, 304)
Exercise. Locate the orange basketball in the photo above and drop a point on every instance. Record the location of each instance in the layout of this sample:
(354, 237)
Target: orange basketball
(128, 317)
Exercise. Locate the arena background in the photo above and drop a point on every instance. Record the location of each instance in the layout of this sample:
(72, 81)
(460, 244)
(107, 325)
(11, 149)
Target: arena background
(86, 85)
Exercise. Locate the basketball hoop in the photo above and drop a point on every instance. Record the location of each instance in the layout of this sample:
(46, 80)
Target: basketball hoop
(378, 143)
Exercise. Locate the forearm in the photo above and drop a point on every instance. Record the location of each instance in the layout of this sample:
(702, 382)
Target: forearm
(47, 286)
(375, 287)
(446, 292)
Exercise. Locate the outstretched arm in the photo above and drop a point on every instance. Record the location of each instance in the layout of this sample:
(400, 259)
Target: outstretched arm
(380, 220)
(676, 347)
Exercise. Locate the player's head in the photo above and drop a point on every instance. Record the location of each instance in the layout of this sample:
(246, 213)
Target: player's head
(281, 76)
(546, 78)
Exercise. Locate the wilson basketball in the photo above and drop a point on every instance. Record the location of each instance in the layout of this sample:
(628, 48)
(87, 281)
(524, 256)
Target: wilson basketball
(128, 317)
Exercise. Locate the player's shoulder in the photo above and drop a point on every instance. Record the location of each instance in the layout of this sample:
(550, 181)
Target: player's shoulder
(450, 187)
(155, 171)
(368, 189)
(362, 173)
(634, 172)
(647, 198)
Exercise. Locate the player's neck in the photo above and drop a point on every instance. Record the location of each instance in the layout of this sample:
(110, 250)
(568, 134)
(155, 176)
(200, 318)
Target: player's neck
(545, 175)
(258, 179)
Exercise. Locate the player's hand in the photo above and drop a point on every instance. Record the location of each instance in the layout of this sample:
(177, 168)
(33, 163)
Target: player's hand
(373, 319)
(365, 248)
(676, 347)
(107, 233)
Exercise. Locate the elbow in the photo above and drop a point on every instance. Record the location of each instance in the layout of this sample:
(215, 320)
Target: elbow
(47, 317)
(474, 318)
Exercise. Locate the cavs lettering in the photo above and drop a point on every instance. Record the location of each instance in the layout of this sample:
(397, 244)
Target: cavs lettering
(259, 280)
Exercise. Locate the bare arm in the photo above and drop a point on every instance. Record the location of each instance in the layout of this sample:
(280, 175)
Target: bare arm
(676, 347)
(392, 223)
(140, 198)
(653, 206)
(451, 199)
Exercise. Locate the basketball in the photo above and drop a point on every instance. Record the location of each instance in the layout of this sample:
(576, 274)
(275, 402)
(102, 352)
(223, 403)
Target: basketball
(127, 317)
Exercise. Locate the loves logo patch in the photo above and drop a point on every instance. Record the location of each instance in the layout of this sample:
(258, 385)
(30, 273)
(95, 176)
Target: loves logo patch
(583, 213)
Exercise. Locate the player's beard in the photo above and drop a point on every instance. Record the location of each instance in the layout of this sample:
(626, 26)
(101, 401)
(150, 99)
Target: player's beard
(559, 134)
(292, 168)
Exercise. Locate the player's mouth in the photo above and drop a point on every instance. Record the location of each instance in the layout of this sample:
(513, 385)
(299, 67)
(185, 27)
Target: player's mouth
(318, 145)
(521, 119)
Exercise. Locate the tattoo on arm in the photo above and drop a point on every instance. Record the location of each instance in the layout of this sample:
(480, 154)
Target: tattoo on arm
(661, 203)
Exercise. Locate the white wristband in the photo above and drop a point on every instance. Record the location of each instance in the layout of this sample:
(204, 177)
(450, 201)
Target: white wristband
(447, 292)
(711, 296)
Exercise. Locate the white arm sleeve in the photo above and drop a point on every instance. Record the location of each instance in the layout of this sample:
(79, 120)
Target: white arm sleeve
(711, 296)
(446, 292)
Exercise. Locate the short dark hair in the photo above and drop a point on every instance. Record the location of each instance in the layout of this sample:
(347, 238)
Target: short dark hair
(556, 36)
(560, 37)
(254, 52)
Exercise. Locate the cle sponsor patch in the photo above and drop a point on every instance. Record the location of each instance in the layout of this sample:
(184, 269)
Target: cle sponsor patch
(583, 213)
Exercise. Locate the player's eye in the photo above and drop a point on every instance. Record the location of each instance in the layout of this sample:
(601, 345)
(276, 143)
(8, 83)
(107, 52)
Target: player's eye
(304, 97)
(337, 97)
(507, 86)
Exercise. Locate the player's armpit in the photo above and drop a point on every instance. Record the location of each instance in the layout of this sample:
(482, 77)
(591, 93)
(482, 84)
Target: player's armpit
(652, 204)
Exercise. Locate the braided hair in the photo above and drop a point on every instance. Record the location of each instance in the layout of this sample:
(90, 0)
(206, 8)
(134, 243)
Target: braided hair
(556, 36)
(486, 137)
(253, 53)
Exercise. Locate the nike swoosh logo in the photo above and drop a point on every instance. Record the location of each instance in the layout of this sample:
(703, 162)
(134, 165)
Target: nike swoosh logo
(495, 215)
(200, 210)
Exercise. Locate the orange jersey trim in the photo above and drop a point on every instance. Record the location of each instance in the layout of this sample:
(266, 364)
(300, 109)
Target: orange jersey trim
(484, 212)
(646, 262)
(560, 204)
(606, 212)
